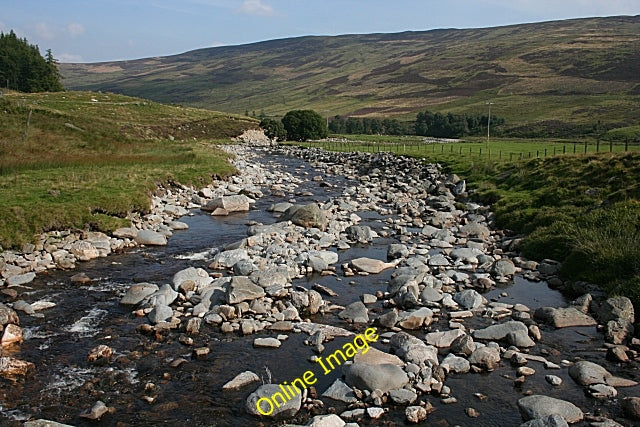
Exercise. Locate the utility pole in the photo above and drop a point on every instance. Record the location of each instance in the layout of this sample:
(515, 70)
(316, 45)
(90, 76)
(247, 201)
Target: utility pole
(489, 123)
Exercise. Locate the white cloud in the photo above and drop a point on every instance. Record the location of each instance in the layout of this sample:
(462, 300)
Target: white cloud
(69, 57)
(45, 31)
(74, 29)
(217, 44)
(256, 7)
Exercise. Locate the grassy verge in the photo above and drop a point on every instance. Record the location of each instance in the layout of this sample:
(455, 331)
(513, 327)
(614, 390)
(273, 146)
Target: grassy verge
(582, 209)
(88, 159)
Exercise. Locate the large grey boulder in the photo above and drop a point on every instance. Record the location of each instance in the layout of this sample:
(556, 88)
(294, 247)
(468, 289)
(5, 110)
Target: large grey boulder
(487, 358)
(587, 373)
(150, 238)
(165, 295)
(564, 317)
(355, 312)
(475, 229)
(415, 319)
(287, 409)
(341, 392)
(500, 331)
(383, 377)
(443, 339)
(138, 292)
(227, 204)
(228, 259)
(160, 313)
(466, 254)
(241, 380)
(413, 350)
(360, 233)
(331, 420)
(307, 216)
(372, 266)
(191, 277)
(8, 315)
(538, 406)
(469, 299)
(503, 268)
(616, 308)
(241, 289)
(20, 279)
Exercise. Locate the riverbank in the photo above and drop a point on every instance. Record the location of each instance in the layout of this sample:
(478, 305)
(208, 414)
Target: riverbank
(381, 241)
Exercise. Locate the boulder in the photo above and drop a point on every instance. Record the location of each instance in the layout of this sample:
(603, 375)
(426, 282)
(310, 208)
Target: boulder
(138, 292)
(228, 259)
(12, 335)
(538, 406)
(355, 312)
(160, 313)
(564, 317)
(503, 268)
(126, 233)
(84, 250)
(443, 339)
(377, 357)
(360, 233)
(287, 409)
(241, 289)
(227, 204)
(383, 377)
(11, 368)
(416, 319)
(307, 216)
(500, 331)
(266, 343)
(469, 299)
(631, 407)
(331, 420)
(456, 364)
(487, 358)
(475, 229)
(616, 308)
(150, 238)
(197, 276)
(8, 315)
(586, 373)
(20, 279)
(413, 350)
(372, 266)
(402, 396)
(341, 392)
(548, 421)
(44, 423)
(397, 250)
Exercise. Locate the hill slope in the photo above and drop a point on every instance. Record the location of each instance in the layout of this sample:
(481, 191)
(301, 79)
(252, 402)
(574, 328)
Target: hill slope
(576, 71)
(88, 159)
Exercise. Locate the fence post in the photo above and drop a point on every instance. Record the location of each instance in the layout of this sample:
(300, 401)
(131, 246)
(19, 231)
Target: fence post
(537, 153)
(564, 149)
(510, 157)
(574, 147)
(554, 151)
(545, 152)
(626, 145)
(598, 146)
(611, 145)
(585, 147)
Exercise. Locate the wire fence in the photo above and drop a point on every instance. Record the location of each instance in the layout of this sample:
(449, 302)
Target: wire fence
(496, 151)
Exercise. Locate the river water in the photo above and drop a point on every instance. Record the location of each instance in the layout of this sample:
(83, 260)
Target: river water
(142, 387)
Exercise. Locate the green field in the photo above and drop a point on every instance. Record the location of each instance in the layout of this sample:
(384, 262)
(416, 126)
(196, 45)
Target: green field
(88, 159)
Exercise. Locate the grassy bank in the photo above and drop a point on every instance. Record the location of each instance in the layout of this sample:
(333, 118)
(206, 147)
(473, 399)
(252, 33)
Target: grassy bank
(582, 209)
(85, 159)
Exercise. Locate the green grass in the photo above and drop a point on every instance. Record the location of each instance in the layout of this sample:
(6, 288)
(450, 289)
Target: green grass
(581, 209)
(89, 159)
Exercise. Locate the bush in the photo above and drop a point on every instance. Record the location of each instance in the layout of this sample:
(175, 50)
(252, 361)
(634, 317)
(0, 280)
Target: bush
(302, 125)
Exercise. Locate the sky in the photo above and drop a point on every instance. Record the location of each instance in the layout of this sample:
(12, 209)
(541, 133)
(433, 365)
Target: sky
(110, 30)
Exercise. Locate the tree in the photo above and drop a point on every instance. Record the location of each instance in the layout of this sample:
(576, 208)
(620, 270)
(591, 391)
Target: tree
(24, 68)
(274, 129)
(302, 125)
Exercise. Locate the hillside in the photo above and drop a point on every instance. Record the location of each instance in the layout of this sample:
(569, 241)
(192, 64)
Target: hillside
(564, 74)
(88, 159)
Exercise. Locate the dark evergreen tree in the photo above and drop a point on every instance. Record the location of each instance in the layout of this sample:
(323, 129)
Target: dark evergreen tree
(23, 68)
(274, 129)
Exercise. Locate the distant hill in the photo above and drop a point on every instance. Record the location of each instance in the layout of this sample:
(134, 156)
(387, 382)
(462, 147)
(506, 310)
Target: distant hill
(564, 77)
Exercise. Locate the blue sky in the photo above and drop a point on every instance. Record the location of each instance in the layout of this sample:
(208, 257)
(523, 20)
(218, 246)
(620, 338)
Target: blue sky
(105, 30)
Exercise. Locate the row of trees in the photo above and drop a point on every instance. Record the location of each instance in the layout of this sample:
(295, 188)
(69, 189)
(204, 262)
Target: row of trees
(301, 125)
(369, 126)
(24, 69)
(453, 125)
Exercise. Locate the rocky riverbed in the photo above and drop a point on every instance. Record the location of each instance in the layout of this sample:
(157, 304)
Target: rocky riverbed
(307, 254)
